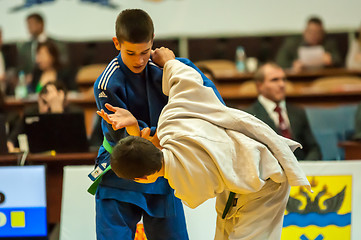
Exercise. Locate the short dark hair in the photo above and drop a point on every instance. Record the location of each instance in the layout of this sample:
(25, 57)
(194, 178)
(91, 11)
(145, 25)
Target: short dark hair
(58, 85)
(135, 26)
(36, 16)
(259, 75)
(135, 157)
(54, 52)
(315, 20)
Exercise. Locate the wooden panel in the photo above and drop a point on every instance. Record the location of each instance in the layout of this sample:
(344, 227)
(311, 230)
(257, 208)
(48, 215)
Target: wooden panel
(352, 150)
(304, 76)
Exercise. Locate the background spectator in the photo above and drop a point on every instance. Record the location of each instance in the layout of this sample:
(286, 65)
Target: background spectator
(313, 35)
(11, 117)
(286, 119)
(353, 59)
(7, 71)
(27, 50)
(51, 99)
(2, 65)
(48, 68)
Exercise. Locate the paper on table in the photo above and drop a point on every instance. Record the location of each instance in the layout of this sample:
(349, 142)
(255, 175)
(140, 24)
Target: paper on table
(311, 56)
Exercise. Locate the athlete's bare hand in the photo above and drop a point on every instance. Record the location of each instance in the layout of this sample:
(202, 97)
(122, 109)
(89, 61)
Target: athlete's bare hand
(119, 119)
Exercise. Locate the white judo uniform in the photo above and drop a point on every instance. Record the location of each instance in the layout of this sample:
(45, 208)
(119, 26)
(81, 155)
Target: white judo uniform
(210, 149)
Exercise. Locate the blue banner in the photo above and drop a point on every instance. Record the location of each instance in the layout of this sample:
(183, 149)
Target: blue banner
(31, 3)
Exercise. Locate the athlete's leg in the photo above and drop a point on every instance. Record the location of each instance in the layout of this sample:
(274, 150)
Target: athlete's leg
(259, 215)
(116, 220)
(169, 228)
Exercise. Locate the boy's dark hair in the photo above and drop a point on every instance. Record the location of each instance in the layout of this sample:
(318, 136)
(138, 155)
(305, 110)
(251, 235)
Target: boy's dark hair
(315, 20)
(37, 17)
(135, 26)
(135, 157)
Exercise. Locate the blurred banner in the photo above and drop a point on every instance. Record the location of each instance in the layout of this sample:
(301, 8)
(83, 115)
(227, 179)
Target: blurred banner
(79, 20)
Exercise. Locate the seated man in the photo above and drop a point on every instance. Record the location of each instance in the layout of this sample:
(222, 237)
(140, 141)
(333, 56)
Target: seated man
(288, 55)
(211, 150)
(286, 119)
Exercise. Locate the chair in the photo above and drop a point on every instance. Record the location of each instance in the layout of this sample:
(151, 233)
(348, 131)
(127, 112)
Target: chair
(219, 67)
(328, 142)
(87, 75)
(330, 126)
(248, 88)
(336, 83)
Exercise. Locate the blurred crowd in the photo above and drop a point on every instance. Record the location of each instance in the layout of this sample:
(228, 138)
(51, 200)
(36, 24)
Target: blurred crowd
(42, 70)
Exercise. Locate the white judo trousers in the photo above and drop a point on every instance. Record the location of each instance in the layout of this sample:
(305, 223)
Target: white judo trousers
(210, 150)
(256, 216)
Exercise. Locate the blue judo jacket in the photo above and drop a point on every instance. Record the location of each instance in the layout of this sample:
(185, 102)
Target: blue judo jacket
(142, 95)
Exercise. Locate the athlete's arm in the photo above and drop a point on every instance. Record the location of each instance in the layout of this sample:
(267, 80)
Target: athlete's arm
(114, 95)
(161, 55)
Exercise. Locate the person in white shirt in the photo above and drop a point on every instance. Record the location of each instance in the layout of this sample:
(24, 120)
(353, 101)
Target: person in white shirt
(209, 150)
(353, 58)
(314, 36)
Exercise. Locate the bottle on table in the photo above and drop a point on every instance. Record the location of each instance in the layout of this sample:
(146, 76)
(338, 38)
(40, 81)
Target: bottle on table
(21, 90)
(240, 59)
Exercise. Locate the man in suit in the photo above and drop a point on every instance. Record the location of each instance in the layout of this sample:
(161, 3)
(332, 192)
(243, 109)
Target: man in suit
(27, 50)
(286, 119)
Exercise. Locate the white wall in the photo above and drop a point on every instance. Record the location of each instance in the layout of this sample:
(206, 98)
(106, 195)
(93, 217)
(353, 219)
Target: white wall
(79, 21)
(78, 210)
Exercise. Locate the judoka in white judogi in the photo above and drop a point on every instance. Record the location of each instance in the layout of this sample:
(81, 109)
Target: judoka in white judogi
(210, 149)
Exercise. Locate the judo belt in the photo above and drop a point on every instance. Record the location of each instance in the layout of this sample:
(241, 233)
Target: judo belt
(93, 188)
(229, 204)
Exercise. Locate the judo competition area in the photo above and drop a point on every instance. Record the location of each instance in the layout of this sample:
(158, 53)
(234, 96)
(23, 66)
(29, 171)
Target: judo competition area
(332, 211)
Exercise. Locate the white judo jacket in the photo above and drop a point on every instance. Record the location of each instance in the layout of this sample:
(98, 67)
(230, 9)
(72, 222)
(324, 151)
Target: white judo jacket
(209, 148)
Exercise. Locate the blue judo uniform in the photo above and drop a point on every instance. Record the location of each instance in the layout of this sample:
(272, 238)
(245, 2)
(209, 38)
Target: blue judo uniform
(120, 203)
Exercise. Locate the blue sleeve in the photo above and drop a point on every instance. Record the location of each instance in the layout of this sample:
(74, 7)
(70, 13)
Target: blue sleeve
(115, 95)
(206, 82)
(108, 96)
